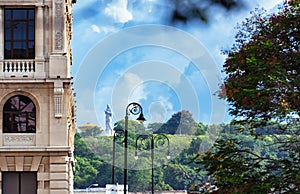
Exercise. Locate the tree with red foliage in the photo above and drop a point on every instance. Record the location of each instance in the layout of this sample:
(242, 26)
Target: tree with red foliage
(262, 88)
(263, 66)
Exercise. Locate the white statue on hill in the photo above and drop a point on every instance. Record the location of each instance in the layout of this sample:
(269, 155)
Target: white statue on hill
(108, 121)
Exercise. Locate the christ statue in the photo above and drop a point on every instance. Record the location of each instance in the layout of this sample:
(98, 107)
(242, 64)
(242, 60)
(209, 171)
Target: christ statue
(108, 120)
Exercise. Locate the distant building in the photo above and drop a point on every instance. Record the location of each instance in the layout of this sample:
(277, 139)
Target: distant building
(38, 117)
(87, 126)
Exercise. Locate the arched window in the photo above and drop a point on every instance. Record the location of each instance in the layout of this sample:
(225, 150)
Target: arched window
(19, 115)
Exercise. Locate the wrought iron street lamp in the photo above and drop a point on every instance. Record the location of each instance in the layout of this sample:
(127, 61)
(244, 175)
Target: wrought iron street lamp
(134, 109)
(156, 140)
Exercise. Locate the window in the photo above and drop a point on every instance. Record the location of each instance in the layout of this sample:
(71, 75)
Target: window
(19, 115)
(19, 182)
(19, 33)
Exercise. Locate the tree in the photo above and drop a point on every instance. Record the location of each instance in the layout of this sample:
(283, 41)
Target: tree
(242, 163)
(92, 131)
(85, 173)
(104, 174)
(262, 88)
(88, 164)
(234, 168)
(176, 175)
(180, 123)
(154, 126)
(133, 126)
(81, 148)
(201, 129)
(263, 66)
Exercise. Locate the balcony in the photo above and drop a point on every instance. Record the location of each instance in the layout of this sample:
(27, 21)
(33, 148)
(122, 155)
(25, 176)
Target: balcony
(21, 68)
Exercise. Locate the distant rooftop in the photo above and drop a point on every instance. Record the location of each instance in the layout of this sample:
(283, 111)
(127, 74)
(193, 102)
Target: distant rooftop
(87, 125)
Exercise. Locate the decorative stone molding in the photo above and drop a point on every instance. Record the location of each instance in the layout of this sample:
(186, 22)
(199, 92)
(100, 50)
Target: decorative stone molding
(58, 41)
(58, 25)
(19, 139)
(58, 91)
(58, 94)
(59, 8)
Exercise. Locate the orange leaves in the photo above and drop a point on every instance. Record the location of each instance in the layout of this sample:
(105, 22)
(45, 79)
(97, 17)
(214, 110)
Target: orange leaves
(230, 92)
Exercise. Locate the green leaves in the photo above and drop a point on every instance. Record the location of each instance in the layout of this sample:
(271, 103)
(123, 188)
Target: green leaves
(264, 160)
(263, 66)
(180, 123)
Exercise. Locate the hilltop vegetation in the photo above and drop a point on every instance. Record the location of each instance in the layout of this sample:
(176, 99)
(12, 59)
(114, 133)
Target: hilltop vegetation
(224, 154)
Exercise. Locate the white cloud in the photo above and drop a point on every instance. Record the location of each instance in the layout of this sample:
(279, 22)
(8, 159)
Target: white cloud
(270, 4)
(102, 98)
(160, 110)
(95, 28)
(117, 9)
(103, 29)
(128, 88)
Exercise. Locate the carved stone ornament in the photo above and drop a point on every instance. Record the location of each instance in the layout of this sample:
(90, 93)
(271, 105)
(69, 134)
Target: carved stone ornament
(19, 139)
(58, 8)
(58, 93)
(59, 12)
(58, 41)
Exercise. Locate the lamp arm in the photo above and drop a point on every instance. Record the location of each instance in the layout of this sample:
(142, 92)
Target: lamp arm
(163, 137)
(133, 108)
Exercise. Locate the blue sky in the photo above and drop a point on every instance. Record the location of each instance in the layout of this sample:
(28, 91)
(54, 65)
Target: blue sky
(125, 51)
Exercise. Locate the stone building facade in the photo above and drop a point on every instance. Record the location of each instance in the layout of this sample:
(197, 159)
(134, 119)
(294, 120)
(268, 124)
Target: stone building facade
(37, 123)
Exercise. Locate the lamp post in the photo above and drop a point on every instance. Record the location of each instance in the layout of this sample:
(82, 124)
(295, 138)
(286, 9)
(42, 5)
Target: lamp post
(134, 109)
(118, 133)
(155, 141)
